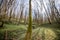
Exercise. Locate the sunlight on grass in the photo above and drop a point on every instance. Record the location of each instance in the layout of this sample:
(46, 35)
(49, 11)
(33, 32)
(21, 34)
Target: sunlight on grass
(44, 33)
(49, 34)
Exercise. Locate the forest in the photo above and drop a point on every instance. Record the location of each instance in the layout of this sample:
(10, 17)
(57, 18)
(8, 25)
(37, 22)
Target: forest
(29, 19)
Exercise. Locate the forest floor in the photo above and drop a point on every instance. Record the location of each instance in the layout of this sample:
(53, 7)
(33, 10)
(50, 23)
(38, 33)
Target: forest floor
(42, 32)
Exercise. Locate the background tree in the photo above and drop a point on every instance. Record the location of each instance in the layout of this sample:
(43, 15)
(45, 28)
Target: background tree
(21, 10)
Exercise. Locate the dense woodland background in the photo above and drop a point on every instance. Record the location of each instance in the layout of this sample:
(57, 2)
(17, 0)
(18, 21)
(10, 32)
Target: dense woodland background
(29, 20)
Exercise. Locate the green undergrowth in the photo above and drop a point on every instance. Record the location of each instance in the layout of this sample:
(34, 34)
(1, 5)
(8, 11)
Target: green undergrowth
(18, 31)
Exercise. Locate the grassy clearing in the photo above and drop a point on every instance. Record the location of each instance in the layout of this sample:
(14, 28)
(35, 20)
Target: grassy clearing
(12, 31)
(12, 27)
(51, 32)
(44, 33)
(18, 31)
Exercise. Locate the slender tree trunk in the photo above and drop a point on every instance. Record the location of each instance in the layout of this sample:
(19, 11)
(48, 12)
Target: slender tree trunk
(47, 14)
(21, 16)
(10, 15)
(29, 30)
(6, 38)
(25, 18)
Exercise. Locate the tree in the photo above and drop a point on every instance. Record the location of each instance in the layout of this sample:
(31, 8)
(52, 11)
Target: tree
(3, 9)
(54, 11)
(35, 15)
(11, 4)
(46, 12)
(29, 30)
(21, 10)
(25, 17)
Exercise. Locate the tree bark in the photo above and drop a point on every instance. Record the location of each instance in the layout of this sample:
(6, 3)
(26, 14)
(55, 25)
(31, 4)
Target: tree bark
(29, 30)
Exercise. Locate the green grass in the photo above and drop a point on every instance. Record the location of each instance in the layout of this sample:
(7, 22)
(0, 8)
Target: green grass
(41, 32)
(12, 27)
(53, 28)
(12, 30)
(18, 31)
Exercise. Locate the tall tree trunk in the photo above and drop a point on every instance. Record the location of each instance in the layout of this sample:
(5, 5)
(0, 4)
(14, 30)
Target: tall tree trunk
(10, 16)
(49, 20)
(21, 15)
(29, 30)
(25, 18)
